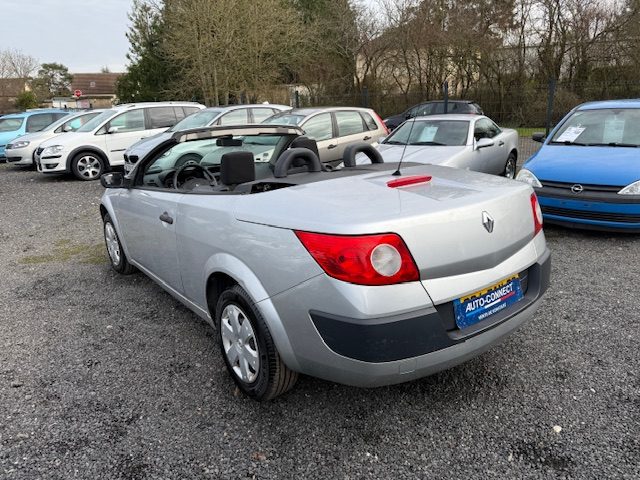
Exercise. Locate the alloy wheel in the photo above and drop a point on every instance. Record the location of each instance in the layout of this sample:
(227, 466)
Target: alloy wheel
(89, 167)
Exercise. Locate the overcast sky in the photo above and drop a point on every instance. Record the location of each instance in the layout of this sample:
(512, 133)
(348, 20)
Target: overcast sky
(84, 35)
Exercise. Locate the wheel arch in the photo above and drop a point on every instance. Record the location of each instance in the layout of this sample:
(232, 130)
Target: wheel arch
(223, 271)
(90, 149)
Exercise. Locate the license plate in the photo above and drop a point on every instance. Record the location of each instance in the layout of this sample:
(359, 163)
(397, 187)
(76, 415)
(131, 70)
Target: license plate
(480, 305)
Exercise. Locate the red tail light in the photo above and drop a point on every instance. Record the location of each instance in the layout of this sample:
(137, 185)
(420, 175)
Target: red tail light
(384, 125)
(537, 214)
(362, 259)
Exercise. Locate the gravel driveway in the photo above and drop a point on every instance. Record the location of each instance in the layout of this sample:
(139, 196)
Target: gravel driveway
(103, 376)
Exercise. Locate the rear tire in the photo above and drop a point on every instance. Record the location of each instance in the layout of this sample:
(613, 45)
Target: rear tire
(117, 257)
(87, 166)
(510, 166)
(248, 349)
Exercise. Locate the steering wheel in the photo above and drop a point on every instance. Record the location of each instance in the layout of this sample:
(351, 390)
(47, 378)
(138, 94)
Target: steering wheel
(189, 171)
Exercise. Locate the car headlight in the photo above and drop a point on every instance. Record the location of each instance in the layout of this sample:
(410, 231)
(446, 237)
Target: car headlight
(52, 150)
(18, 144)
(633, 189)
(527, 177)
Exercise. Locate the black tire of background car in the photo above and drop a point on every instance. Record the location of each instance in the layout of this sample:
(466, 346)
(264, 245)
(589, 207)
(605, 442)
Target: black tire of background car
(510, 159)
(123, 267)
(76, 172)
(274, 377)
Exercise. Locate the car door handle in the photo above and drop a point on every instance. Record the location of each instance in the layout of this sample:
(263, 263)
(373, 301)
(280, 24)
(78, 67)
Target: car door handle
(367, 138)
(331, 146)
(166, 218)
(500, 143)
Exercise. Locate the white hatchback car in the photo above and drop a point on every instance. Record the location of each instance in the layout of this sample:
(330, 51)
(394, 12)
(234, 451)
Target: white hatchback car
(100, 143)
(22, 150)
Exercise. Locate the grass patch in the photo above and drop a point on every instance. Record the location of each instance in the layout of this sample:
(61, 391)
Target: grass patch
(65, 251)
(526, 132)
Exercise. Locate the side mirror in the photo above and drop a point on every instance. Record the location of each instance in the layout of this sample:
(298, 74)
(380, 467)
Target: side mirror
(407, 115)
(67, 128)
(538, 137)
(113, 130)
(484, 143)
(112, 180)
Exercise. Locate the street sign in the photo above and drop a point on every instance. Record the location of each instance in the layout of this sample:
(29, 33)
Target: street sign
(77, 93)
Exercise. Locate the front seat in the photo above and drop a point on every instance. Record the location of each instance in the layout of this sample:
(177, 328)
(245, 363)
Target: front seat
(237, 168)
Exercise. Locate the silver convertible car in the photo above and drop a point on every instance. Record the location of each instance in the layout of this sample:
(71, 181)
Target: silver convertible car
(470, 142)
(368, 275)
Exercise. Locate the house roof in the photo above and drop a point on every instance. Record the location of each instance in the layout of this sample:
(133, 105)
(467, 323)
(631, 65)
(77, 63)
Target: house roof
(95, 83)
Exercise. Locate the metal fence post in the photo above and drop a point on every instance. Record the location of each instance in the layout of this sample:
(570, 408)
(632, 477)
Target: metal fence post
(550, 96)
(445, 93)
(365, 97)
(296, 99)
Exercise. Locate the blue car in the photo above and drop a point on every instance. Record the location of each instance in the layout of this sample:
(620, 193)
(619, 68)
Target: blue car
(587, 173)
(18, 124)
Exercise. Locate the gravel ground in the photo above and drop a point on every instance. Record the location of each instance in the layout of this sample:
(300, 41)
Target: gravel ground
(103, 376)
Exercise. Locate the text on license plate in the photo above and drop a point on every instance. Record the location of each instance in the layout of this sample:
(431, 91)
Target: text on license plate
(480, 305)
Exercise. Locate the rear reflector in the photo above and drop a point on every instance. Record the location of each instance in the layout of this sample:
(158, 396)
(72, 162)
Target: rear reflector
(406, 181)
(362, 259)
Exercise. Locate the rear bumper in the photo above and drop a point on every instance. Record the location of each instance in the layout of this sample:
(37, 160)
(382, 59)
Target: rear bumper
(621, 214)
(393, 349)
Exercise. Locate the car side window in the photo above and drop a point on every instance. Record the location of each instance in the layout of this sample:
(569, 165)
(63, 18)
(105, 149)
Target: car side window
(369, 121)
(189, 110)
(494, 130)
(424, 110)
(319, 127)
(349, 123)
(260, 114)
(234, 117)
(130, 121)
(37, 122)
(74, 124)
(481, 130)
(161, 117)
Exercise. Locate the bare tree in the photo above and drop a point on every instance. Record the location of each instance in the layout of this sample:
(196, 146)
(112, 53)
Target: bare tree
(15, 64)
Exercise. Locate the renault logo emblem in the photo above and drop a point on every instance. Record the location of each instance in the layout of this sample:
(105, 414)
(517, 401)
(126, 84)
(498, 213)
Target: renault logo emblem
(577, 188)
(487, 221)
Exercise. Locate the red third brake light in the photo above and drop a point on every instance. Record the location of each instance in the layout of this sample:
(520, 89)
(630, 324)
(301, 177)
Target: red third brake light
(537, 214)
(382, 259)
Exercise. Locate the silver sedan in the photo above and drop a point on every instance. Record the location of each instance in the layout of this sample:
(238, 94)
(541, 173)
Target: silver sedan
(469, 142)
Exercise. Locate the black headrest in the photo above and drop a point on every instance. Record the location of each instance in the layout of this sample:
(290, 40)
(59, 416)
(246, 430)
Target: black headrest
(237, 167)
(306, 142)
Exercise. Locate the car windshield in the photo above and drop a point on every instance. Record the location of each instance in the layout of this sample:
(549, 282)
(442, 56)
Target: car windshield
(615, 127)
(210, 151)
(195, 120)
(10, 124)
(284, 119)
(448, 133)
(95, 122)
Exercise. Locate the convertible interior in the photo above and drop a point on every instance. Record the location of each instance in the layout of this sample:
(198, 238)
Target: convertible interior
(249, 164)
